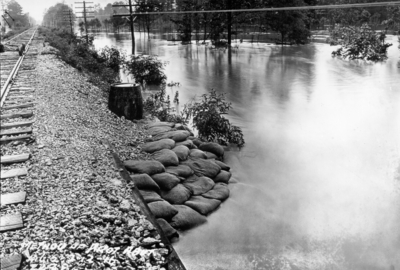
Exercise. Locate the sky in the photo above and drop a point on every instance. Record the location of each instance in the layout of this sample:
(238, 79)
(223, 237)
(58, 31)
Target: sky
(36, 8)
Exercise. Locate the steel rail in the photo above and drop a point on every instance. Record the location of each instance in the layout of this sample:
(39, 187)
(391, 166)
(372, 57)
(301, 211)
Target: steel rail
(10, 39)
(358, 5)
(7, 85)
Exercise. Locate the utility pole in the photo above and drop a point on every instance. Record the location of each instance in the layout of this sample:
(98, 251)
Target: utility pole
(229, 23)
(131, 20)
(86, 14)
(132, 29)
(69, 19)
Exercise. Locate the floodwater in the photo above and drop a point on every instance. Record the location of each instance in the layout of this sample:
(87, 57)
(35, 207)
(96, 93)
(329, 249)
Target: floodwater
(318, 181)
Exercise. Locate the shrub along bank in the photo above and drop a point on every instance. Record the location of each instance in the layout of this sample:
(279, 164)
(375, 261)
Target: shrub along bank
(102, 65)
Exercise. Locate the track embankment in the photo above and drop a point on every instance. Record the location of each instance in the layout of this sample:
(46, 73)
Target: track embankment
(76, 211)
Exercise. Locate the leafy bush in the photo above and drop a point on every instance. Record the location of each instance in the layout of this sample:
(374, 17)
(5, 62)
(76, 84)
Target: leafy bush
(359, 43)
(208, 119)
(146, 68)
(112, 57)
(103, 65)
(158, 105)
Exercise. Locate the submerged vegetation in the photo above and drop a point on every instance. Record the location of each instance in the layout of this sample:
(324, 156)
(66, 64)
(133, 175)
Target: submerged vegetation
(146, 68)
(159, 105)
(359, 43)
(207, 115)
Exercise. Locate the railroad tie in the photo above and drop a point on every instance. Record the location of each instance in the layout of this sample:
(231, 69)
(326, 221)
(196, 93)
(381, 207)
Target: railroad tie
(14, 159)
(16, 94)
(16, 124)
(25, 114)
(13, 173)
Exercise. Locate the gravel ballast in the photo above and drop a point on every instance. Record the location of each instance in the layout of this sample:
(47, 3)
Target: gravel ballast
(78, 213)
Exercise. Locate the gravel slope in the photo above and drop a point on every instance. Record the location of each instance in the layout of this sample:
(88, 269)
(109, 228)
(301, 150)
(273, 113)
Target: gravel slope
(74, 192)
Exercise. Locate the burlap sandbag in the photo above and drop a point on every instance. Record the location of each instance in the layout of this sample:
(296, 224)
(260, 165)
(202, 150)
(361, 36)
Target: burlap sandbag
(177, 195)
(223, 177)
(166, 157)
(181, 151)
(187, 218)
(144, 181)
(203, 167)
(212, 147)
(198, 184)
(180, 170)
(144, 166)
(203, 205)
(150, 196)
(219, 192)
(166, 181)
(168, 230)
(162, 209)
(152, 147)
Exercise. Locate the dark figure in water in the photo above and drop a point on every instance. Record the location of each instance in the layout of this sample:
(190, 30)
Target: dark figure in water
(1, 48)
(21, 49)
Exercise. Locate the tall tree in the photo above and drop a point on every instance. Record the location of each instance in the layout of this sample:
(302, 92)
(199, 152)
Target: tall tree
(14, 9)
(292, 25)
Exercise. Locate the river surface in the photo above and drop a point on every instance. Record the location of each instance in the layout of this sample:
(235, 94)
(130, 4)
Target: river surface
(318, 181)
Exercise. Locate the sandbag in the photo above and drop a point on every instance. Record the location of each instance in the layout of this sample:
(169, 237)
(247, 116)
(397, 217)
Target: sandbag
(181, 151)
(166, 181)
(162, 209)
(198, 185)
(180, 170)
(196, 153)
(188, 143)
(176, 135)
(210, 155)
(212, 147)
(187, 218)
(144, 181)
(168, 230)
(196, 141)
(152, 147)
(166, 157)
(180, 126)
(223, 177)
(203, 167)
(222, 165)
(177, 195)
(160, 124)
(150, 196)
(219, 192)
(203, 205)
(157, 130)
(144, 166)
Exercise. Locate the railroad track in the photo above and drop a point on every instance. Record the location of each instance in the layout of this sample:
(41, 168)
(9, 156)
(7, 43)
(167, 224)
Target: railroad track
(17, 116)
(9, 40)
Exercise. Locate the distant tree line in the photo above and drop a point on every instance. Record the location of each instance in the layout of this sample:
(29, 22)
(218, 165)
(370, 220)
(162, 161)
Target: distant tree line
(15, 16)
(293, 26)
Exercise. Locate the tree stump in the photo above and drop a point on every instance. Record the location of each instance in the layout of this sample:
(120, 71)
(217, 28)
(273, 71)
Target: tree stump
(125, 99)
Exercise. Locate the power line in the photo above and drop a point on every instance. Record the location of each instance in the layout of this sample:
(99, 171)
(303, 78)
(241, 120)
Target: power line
(358, 5)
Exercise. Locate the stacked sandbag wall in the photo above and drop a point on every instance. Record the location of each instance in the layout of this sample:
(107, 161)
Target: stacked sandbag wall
(184, 180)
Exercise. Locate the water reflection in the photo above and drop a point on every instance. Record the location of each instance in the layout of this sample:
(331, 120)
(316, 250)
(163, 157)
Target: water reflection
(319, 178)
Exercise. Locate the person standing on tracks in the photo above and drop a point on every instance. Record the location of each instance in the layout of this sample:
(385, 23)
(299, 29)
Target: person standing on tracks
(21, 49)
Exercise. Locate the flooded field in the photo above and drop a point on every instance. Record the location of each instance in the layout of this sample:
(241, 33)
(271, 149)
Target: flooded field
(318, 181)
